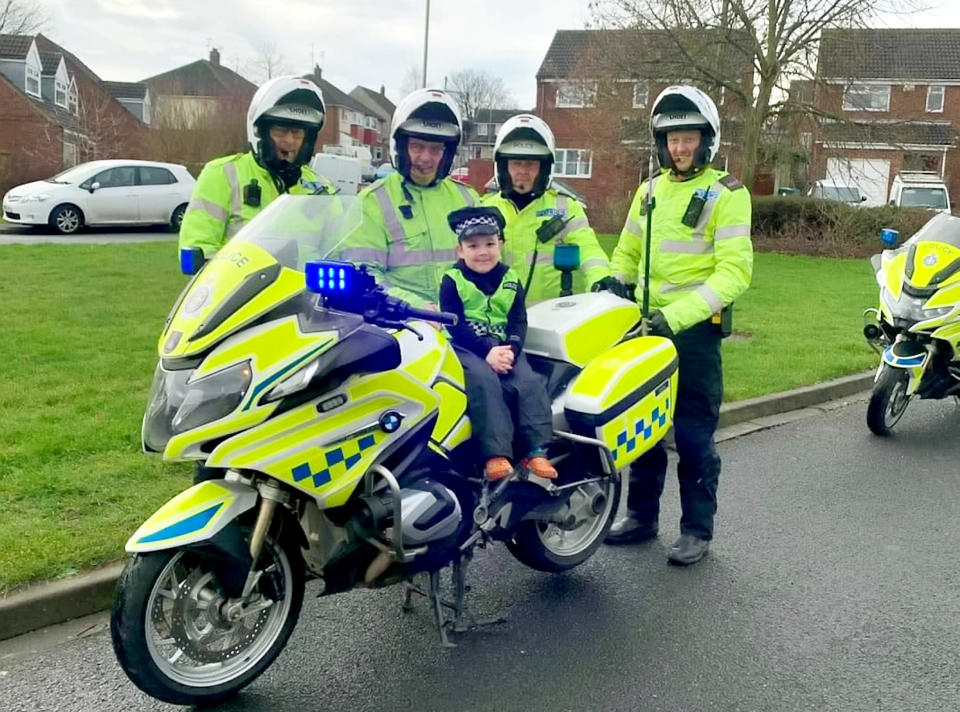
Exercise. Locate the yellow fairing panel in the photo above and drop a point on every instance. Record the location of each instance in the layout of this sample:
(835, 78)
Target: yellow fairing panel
(630, 435)
(232, 269)
(600, 333)
(929, 259)
(614, 375)
(194, 515)
(326, 454)
(893, 271)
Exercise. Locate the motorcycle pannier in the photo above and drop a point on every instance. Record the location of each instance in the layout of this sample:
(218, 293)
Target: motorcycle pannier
(625, 397)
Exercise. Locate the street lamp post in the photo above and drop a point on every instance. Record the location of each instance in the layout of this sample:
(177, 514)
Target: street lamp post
(426, 36)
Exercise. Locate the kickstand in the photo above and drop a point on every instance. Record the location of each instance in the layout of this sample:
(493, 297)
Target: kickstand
(462, 622)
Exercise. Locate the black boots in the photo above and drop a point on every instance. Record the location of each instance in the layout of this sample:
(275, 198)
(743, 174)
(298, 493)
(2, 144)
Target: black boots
(630, 530)
(687, 550)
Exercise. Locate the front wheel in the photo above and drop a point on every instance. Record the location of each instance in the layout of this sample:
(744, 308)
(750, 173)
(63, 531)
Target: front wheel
(180, 638)
(888, 401)
(550, 547)
(66, 219)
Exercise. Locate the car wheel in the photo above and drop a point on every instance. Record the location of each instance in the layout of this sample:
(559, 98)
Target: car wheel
(66, 219)
(176, 220)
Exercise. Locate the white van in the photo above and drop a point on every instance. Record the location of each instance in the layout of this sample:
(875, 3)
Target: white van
(345, 172)
(920, 189)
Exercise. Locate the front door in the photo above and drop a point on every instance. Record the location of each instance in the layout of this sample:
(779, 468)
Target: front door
(115, 199)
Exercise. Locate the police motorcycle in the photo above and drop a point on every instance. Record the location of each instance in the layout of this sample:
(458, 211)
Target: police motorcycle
(336, 419)
(916, 328)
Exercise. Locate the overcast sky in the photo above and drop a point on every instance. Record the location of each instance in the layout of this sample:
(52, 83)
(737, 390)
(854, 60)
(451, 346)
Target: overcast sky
(369, 42)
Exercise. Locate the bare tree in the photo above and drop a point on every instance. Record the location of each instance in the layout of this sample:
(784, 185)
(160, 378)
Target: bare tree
(778, 37)
(411, 80)
(476, 89)
(268, 62)
(22, 17)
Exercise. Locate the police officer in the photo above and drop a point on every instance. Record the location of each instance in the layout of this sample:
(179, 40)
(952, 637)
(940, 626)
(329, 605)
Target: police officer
(283, 121)
(523, 157)
(702, 260)
(405, 239)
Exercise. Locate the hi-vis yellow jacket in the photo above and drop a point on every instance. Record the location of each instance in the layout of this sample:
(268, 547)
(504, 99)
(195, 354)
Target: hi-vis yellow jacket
(217, 210)
(520, 239)
(694, 271)
(405, 239)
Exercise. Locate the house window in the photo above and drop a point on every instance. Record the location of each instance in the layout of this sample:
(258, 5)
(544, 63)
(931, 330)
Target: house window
(929, 162)
(69, 155)
(60, 93)
(481, 129)
(32, 83)
(641, 94)
(867, 97)
(576, 95)
(935, 98)
(72, 97)
(573, 163)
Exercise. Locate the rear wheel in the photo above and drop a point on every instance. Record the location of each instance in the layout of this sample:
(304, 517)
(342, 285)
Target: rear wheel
(888, 401)
(546, 546)
(66, 219)
(173, 632)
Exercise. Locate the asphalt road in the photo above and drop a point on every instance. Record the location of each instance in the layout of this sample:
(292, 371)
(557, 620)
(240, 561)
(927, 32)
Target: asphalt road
(20, 235)
(832, 585)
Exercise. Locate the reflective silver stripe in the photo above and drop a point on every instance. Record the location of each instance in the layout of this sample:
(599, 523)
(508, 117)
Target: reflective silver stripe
(634, 227)
(233, 228)
(465, 192)
(236, 199)
(697, 247)
(364, 254)
(711, 297)
(402, 258)
(590, 264)
(217, 212)
(625, 278)
(542, 259)
(390, 219)
(573, 226)
(728, 231)
(679, 287)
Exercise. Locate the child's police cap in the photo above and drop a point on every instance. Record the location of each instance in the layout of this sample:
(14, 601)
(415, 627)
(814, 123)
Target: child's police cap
(467, 222)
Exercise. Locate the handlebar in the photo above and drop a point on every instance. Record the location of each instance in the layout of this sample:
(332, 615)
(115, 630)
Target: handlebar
(411, 312)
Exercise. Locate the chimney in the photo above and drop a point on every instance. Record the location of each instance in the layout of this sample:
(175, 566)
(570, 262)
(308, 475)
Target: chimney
(317, 72)
(214, 56)
(383, 91)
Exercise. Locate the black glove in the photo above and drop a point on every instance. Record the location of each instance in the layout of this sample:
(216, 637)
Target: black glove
(615, 286)
(658, 326)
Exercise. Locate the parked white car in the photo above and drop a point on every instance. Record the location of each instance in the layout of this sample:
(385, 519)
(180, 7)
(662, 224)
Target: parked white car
(113, 192)
(836, 190)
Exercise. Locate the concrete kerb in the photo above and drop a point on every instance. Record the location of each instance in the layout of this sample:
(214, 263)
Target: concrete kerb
(49, 603)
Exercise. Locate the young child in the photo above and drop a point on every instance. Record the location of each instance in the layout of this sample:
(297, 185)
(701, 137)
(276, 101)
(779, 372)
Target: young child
(503, 392)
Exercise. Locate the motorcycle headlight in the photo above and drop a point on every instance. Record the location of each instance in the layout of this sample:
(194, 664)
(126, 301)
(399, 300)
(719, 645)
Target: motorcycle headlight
(177, 404)
(212, 397)
(911, 308)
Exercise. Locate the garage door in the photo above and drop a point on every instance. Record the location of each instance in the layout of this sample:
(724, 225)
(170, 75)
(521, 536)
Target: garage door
(871, 175)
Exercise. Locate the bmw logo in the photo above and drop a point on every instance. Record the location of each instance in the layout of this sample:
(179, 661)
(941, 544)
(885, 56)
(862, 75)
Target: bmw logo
(390, 421)
(930, 260)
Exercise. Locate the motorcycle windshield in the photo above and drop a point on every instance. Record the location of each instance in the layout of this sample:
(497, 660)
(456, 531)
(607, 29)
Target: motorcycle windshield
(940, 228)
(259, 269)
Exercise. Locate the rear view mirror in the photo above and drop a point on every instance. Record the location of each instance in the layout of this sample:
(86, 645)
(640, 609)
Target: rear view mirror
(863, 198)
(94, 186)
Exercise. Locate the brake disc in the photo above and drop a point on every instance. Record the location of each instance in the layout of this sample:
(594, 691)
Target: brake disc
(200, 631)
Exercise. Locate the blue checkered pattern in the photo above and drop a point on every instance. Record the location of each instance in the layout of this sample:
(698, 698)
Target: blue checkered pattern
(337, 461)
(642, 430)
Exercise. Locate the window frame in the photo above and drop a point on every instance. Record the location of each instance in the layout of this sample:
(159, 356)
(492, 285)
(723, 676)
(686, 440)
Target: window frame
(862, 88)
(943, 93)
(482, 129)
(561, 162)
(646, 94)
(73, 97)
(172, 179)
(586, 95)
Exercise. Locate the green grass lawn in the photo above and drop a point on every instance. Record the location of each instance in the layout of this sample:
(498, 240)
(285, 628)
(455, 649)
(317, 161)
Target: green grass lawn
(80, 324)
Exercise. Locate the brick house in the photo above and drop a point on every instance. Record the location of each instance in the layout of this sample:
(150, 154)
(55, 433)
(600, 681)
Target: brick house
(350, 128)
(889, 101)
(56, 112)
(193, 95)
(594, 89)
(383, 108)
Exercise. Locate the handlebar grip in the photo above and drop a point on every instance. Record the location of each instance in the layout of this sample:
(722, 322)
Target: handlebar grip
(430, 315)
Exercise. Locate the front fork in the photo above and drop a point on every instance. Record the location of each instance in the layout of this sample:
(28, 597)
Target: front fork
(270, 497)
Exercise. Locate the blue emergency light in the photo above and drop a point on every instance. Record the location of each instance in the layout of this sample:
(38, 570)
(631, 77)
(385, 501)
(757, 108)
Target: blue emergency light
(191, 260)
(330, 278)
(889, 237)
(566, 257)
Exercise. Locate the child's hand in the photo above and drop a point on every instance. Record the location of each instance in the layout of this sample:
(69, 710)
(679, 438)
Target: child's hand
(500, 359)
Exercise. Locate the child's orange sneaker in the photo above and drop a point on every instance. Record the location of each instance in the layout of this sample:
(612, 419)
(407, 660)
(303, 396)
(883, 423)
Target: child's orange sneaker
(541, 467)
(498, 468)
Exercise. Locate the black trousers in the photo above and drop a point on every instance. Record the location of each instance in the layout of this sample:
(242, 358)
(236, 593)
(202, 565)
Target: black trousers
(699, 392)
(503, 406)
